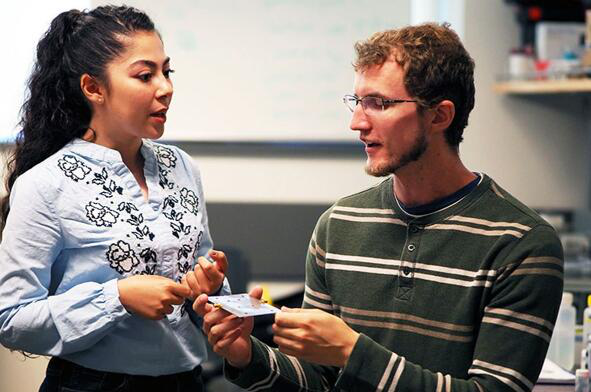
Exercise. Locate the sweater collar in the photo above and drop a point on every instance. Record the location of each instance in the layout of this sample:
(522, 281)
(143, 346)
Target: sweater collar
(389, 200)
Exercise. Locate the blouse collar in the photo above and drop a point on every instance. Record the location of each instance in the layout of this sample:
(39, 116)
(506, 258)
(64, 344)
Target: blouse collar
(105, 154)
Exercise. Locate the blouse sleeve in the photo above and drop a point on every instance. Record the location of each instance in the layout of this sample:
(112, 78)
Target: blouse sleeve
(32, 318)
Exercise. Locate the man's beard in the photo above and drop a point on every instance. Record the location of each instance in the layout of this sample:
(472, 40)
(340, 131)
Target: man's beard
(391, 166)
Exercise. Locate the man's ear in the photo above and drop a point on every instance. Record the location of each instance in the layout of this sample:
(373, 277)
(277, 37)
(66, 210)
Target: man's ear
(92, 89)
(442, 115)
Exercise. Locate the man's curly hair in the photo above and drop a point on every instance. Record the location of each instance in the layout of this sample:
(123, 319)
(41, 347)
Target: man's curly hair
(436, 67)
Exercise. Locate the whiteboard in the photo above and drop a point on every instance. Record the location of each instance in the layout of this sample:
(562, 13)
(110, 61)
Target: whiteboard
(22, 24)
(265, 70)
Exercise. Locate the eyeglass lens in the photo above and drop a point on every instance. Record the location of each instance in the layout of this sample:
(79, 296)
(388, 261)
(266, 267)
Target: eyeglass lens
(369, 103)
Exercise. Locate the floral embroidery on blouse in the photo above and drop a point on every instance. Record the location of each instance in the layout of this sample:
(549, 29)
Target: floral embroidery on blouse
(73, 168)
(177, 207)
(189, 200)
(101, 215)
(108, 188)
(166, 161)
(122, 257)
(165, 156)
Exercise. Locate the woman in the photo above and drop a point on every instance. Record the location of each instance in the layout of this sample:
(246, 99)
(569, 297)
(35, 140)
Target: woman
(103, 226)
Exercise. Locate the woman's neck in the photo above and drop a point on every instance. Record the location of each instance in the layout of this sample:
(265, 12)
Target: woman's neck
(129, 149)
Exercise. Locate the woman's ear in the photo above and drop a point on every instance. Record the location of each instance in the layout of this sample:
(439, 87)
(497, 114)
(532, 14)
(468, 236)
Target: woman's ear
(92, 89)
(443, 115)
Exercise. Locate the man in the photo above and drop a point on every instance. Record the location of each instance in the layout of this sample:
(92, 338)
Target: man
(434, 280)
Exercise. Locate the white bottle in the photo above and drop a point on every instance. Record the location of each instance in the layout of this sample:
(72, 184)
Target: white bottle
(587, 322)
(562, 345)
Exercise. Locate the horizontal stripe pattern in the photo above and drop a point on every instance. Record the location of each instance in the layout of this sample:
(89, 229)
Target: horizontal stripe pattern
(406, 322)
(391, 367)
(424, 271)
(317, 304)
(367, 219)
(474, 230)
(518, 322)
(365, 215)
(477, 226)
(386, 373)
(317, 299)
(504, 380)
(317, 294)
(317, 252)
(457, 260)
(488, 223)
(504, 370)
(407, 328)
(295, 363)
(521, 316)
(480, 226)
(404, 316)
(540, 266)
(377, 211)
(511, 377)
(397, 375)
(550, 266)
(273, 374)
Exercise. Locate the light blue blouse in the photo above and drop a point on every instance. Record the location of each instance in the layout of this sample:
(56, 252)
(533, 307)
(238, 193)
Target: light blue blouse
(78, 222)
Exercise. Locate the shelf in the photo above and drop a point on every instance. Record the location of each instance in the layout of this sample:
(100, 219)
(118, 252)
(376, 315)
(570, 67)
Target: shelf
(544, 86)
(577, 284)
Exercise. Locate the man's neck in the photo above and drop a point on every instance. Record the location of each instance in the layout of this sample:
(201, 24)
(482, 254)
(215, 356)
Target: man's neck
(419, 183)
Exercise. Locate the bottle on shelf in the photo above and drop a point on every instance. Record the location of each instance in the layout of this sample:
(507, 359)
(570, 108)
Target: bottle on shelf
(587, 322)
(562, 344)
(582, 380)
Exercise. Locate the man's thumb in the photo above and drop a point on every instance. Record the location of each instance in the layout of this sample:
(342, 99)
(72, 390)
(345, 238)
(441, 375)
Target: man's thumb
(200, 306)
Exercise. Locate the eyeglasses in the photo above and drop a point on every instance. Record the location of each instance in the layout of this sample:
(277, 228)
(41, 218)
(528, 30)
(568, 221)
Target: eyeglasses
(371, 104)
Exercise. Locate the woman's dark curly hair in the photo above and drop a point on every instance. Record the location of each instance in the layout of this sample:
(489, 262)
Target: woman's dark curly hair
(55, 111)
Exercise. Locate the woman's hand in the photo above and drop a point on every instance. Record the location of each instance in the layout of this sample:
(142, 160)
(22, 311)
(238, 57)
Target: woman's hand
(207, 278)
(151, 296)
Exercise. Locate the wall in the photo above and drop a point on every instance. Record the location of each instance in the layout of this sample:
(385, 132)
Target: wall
(536, 147)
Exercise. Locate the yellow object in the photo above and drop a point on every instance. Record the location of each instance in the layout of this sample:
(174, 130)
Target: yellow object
(589, 300)
(266, 295)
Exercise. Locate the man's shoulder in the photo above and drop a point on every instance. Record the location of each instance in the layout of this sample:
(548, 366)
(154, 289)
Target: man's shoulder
(369, 201)
(372, 197)
(499, 205)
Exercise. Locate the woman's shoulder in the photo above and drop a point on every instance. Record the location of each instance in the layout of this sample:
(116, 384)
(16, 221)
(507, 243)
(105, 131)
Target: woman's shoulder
(53, 172)
(165, 152)
(171, 157)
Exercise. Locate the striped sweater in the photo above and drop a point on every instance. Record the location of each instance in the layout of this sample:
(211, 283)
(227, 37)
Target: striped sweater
(464, 299)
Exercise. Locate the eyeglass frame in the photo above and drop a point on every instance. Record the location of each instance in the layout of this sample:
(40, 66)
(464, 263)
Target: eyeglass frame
(385, 102)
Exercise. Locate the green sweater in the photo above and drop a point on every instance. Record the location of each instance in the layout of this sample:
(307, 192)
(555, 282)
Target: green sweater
(463, 299)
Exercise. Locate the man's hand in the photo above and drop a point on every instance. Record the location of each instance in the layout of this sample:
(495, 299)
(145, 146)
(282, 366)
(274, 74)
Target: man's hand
(151, 296)
(314, 336)
(207, 277)
(228, 335)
